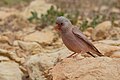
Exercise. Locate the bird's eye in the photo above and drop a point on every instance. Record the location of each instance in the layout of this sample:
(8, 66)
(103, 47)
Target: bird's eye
(61, 23)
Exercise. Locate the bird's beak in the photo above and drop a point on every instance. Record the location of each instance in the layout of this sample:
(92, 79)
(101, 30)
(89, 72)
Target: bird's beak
(57, 27)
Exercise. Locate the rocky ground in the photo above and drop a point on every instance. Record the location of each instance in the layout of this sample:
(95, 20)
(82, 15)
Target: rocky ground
(30, 54)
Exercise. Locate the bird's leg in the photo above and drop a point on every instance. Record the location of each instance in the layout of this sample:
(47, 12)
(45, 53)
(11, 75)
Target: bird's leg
(75, 55)
(71, 55)
(78, 53)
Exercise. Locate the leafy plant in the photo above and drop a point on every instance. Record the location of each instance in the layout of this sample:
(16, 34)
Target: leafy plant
(112, 18)
(50, 17)
(34, 16)
(84, 25)
(73, 17)
(95, 21)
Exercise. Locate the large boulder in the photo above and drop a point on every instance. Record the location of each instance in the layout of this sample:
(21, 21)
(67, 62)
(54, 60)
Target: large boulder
(39, 65)
(101, 30)
(102, 68)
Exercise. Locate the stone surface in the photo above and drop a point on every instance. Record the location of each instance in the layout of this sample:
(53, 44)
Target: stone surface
(10, 55)
(103, 68)
(10, 71)
(110, 42)
(4, 58)
(114, 33)
(14, 23)
(4, 39)
(88, 32)
(116, 54)
(5, 12)
(29, 52)
(110, 48)
(115, 10)
(44, 36)
(101, 30)
(38, 64)
(106, 49)
(32, 47)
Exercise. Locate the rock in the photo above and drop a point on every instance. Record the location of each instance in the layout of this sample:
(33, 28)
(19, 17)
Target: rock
(58, 43)
(110, 48)
(10, 71)
(4, 39)
(15, 43)
(115, 10)
(102, 68)
(101, 30)
(5, 12)
(4, 58)
(32, 47)
(40, 64)
(116, 23)
(110, 42)
(106, 49)
(14, 23)
(10, 55)
(114, 33)
(88, 32)
(49, 59)
(39, 6)
(103, 8)
(45, 36)
(116, 54)
(10, 37)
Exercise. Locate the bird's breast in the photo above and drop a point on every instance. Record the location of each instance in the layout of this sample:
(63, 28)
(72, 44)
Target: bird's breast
(70, 42)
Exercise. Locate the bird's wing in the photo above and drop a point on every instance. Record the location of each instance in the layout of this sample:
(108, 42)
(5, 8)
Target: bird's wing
(81, 36)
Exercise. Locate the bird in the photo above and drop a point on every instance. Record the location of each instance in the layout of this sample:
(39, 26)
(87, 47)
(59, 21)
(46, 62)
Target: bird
(74, 39)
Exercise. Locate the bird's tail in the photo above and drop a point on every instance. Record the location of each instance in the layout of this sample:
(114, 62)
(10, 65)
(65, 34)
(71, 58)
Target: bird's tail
(98, 53)
(95, 51)
(91, 54)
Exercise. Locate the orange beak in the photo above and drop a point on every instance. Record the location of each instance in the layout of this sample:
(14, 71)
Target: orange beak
(57, 27)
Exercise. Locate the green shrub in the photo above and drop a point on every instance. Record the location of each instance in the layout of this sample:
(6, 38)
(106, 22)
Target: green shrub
(50, 17)
(95, 21)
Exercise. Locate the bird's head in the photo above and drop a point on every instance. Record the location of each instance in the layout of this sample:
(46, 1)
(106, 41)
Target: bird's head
(63, 23)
